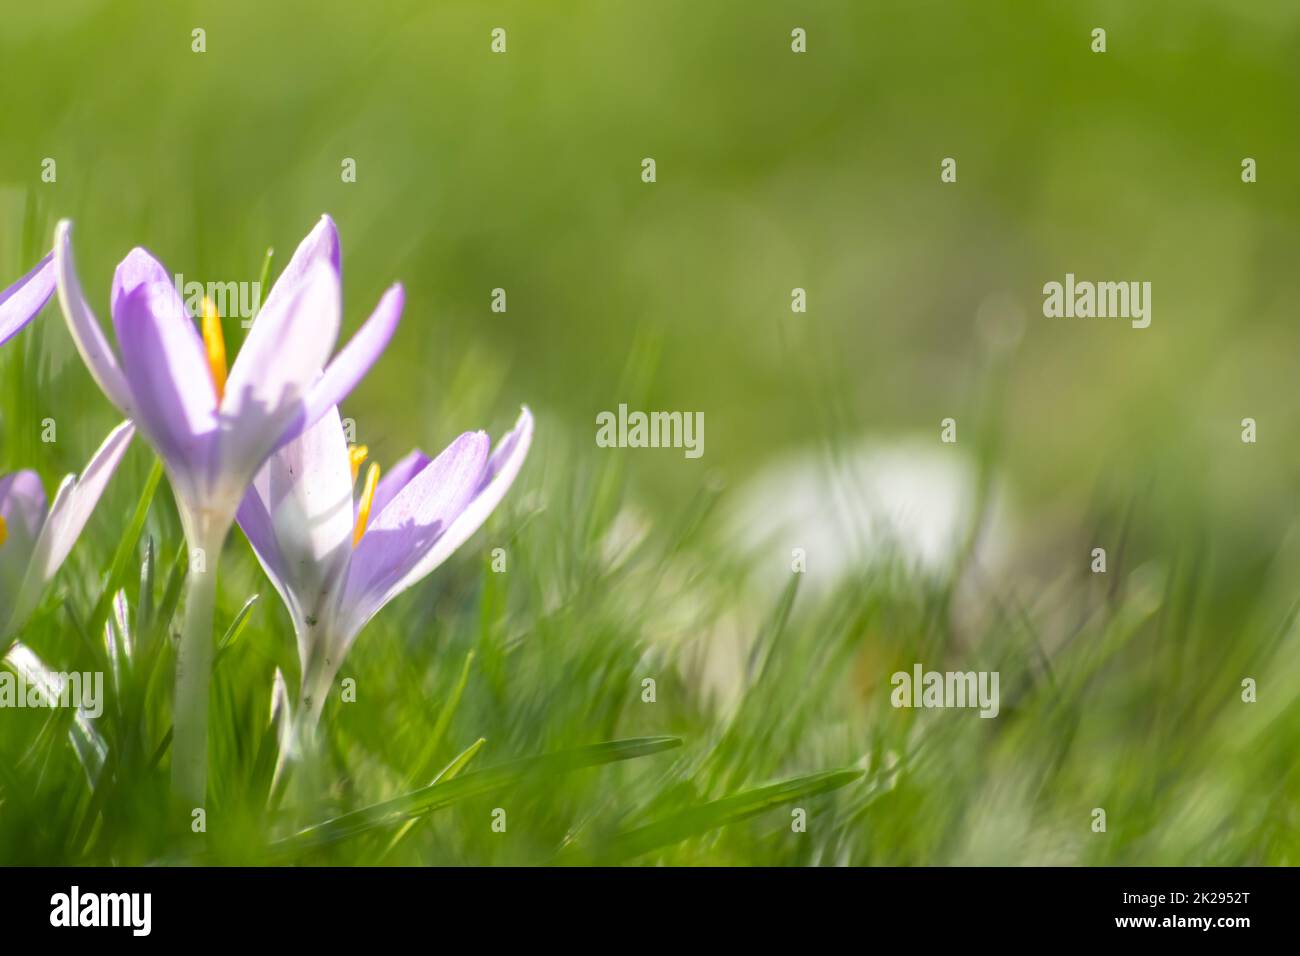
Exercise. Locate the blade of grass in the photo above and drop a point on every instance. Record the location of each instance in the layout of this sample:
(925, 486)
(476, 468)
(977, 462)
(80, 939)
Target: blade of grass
(439, 795)
(144, 604)
(458, 763)
(236, 628)
(123, 557)
(694, 821)
(442, 723)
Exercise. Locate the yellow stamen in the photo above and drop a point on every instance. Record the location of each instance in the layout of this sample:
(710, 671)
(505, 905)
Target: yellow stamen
(215, 342)
(357, 456)
(4, 531)
(367, 502)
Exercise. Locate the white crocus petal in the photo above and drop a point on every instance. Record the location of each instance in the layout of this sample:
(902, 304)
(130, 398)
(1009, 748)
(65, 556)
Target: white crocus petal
(90, 747)
(73, 505)
(307, 490)
(24, 662)
(86, 333)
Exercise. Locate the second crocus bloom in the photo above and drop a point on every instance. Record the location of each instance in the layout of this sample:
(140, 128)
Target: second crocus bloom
(336, 562)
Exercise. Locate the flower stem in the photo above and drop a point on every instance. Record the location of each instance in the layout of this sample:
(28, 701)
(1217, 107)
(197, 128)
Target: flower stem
(315, 688)
(194, 663)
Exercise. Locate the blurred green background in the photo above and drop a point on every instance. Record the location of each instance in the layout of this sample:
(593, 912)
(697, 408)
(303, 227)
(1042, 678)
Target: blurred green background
(774, 171)
(521, 171)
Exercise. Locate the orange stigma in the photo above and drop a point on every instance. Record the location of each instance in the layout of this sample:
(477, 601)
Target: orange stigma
(215, 343)
(4, 531)
(357, 456)
(367, 502)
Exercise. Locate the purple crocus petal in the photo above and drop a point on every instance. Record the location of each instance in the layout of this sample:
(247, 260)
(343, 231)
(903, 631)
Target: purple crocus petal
(321, 246)
(73, 505)
(502, 468)
(75, 501)
(254, 519)
(21, 302)
(167, 368)
(299, 513)
(352, 363)
(22, 506)
(83, 325)
(22, 502)
(408, 528)
(397, 478)
(275, 369)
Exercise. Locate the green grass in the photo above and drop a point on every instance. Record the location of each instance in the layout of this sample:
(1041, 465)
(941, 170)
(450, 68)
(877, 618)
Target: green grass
(523, 690)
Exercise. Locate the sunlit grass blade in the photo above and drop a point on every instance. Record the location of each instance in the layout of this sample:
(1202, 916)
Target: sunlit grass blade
(144, 606)
(236, 627)
(439, 795)
(171, 599)
(695, 821)
(440, 726)
(264, 277)
(458, 763)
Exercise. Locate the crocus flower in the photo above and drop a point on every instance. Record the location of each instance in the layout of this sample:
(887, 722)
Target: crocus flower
(336, 563)
(20, 303)
(34, 539)
(213, 427)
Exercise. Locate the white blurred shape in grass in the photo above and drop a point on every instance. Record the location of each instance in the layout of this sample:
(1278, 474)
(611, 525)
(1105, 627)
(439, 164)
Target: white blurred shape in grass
(912, 503)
